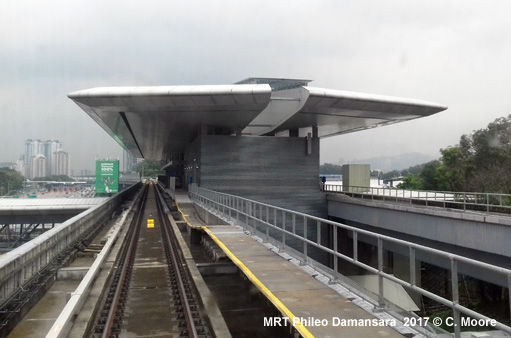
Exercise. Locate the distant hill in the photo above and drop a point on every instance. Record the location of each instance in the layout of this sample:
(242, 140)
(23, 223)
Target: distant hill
(398, 162)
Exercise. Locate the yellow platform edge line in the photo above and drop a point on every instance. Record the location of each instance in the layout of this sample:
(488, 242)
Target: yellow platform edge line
(264, 290)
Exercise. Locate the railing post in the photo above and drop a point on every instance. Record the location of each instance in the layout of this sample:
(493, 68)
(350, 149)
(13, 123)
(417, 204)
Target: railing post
(237, 210)
(455, 298)
(268, 222)
(355, 245)
(336, 267)
(381, 297)
(217, 202)
(412, 266)
(229, 201)
(304, 242)
(283, 230)
(246, 215)
(318, 232)
(253, 214)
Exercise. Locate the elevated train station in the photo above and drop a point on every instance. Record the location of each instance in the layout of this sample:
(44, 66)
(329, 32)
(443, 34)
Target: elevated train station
(258, 138)
(242, 163)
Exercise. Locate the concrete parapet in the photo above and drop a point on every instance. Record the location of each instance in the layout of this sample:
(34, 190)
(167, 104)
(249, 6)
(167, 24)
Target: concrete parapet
(480, 236)
(21, 264)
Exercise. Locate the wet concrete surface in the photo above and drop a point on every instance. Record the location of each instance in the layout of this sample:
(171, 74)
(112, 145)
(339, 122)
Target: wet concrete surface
(40, 319)
(240, 303)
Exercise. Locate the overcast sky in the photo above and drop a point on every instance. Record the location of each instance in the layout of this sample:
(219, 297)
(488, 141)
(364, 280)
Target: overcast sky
(455, 53)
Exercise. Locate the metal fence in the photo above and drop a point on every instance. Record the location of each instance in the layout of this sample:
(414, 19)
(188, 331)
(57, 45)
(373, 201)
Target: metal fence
(447, 199)
(286, 226)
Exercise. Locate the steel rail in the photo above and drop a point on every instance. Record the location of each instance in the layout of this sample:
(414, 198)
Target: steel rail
(181, 284)
(177, 265)
(126, 269)
(111, 305)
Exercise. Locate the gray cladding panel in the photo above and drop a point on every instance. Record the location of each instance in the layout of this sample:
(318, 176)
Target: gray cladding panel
(273, 170)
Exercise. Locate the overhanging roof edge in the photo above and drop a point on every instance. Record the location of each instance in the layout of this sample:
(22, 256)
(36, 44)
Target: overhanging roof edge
(341, 94)
(240, 89)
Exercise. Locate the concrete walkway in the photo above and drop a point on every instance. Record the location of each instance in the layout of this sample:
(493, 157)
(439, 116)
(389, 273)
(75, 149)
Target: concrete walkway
(320, 310)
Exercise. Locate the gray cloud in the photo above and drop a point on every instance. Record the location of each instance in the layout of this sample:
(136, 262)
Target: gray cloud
(450, 52)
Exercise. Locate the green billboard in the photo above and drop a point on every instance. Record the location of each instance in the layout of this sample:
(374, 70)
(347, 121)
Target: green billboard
(107, 177)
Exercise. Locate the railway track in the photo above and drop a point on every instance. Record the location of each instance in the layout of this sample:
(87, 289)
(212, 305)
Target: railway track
(151, 292)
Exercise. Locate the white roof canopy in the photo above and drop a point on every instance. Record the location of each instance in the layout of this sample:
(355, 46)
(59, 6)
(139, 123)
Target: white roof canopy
(158, 122)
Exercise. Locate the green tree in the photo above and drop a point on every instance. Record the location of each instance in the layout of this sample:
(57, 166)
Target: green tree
(58, 178)
(491, 157)
(10, 180)
(330, 169)
(455, 168)
(391, 174)
(149, 168)
(433, 177)
(412, 182)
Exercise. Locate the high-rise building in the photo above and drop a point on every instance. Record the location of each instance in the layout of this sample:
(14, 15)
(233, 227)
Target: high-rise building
(38, 166)
(20, 166)
(61, 163)
(32, 148)
(49, 148)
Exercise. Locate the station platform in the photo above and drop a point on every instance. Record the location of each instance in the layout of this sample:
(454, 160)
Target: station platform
(308, 304)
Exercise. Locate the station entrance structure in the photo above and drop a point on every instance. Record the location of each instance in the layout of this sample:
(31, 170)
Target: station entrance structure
(257, 138)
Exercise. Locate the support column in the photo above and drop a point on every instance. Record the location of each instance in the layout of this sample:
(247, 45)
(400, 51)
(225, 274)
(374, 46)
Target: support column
(309, 144)
(315, 132)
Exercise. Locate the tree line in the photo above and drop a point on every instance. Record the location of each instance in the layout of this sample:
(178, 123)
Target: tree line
(10, 180)
(480, 162)
(336, 169)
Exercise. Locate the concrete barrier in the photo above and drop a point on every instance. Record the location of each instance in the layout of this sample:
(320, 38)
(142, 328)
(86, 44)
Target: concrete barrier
(18, 266)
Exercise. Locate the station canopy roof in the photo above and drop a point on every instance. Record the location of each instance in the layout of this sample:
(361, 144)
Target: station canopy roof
(159, 122)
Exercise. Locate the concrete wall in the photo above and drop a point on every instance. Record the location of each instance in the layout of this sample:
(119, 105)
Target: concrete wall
(23, 263)
(483, 237)
(273, 170)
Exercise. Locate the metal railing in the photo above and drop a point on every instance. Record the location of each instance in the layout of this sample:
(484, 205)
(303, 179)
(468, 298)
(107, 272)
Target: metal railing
(447, 199)
(286, 228)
